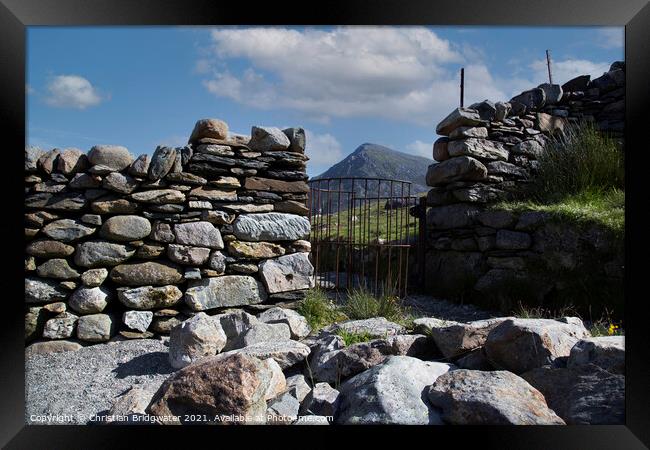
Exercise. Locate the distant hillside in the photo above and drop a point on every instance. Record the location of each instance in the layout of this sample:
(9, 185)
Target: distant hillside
(372, 160)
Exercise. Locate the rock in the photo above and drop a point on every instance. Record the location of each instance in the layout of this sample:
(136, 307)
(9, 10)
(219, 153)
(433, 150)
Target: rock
(137, 320)
(502, 110)
(45, 347)
(162, 232)
(94, 277)
(95, 328)
(159, 196)
(455, 339)
(57, 268)
(296, 139)
(35, 319)
(133, 402)
(49, 186)
(469, 132)
(271, 227)
(297, 324)
(254, 250)
(496, 218)
(502, 168)
(478, 148)
(552, 93)
(287, 273)
(283, 410)
(260, 333)
(217, 262)
(32, 155)
(118, 182)
(49, 249)
(473, 397)
(377, 327)
(227, 290)
(187, 178)
(71, 161)
(579, 83)
(101, 253)
(85, 300)
(298, 387)
(531, 148)
(457, 118)
(114, 205)
(47, 162)
(550, 124)
(486, 109)
(194, 339)
(92, 219)
(30, 263)
(68, 285)
(225, 182)
(43, 291)
(291, 207)
(269, 184)
(140, 167)
(606, 352)
(146, 273)
(61, 326)
(162, 162)
(286, 353)
(474, 360)
(531, 99)
(209, 128)
(67, 201)
(264, 139)
(582, 395)
(235, 323)
(391, 393)
(67, 230)
(452, 216)
(463, 168)
(115, 157)
(440, 152)
(149, 297)
(200, 234)
(248, 208)
(322, 400)
(513, 240)
(125, 228)
(216, 388)
(519, 345)
(183, 254)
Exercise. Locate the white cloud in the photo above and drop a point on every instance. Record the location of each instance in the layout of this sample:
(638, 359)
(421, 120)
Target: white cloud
(72, 91)
(611, 37)
(420, 148)
(323, 151)
(565, 70)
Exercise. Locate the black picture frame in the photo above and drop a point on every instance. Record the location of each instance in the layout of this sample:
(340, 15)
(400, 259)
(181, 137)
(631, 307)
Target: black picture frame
(16, 15)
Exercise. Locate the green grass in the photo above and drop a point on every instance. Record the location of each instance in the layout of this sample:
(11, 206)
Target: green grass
(319, 310)
(354, 338)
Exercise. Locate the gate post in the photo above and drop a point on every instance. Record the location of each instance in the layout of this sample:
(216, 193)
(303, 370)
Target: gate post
(422, 240)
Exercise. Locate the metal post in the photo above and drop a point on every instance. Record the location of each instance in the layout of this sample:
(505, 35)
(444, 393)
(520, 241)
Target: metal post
(548, 65)
(422, 239)
(462, 86)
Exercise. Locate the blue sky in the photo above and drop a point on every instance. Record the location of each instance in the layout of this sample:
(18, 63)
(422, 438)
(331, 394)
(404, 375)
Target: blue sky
(145, 86)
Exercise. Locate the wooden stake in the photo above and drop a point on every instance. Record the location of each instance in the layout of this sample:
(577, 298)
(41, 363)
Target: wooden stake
(548, 65)
(462, 86)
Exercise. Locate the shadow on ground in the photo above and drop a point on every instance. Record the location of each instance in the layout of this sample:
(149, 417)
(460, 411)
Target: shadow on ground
(148, 364)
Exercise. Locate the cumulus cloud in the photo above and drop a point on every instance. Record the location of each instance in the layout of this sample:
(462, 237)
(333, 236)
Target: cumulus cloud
(72, 91)
(566, 69)
(323, 151)
(609, 38)
(420, 148)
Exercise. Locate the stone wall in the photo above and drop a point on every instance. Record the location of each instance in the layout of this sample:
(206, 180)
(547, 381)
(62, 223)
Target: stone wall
(488, 153)
(134, 246)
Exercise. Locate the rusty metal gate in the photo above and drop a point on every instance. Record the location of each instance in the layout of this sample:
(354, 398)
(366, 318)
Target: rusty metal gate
(364, 234)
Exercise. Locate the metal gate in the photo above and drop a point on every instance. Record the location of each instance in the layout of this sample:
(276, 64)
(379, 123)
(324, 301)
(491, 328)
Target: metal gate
(363, 233)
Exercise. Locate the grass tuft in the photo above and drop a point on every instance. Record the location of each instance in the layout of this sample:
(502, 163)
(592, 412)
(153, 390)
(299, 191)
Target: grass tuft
(354, 338)
(319, 310)
(361, 304)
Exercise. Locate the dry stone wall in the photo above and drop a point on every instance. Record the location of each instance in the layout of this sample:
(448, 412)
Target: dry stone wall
(487, 153)
(134, 246)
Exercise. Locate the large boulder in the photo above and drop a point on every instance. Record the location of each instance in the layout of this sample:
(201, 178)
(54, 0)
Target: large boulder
(125, 228)
(67, 230)
(146, 273)
(223, 291)
(261, 332)
(115, 157)
(391, 393)
(298, 325)
(194, 339)
(149, 297)
(287, 273)
(455, 338)
(199, 234)
(271, 227)
(462, 168)
(483, 149)
(216, 388)
(519, 345)
(474, 397)
(286, 353)
(264, 139)
(606, 352)
(459, 117)
(102, 253)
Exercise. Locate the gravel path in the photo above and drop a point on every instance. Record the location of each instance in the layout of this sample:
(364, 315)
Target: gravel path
(80, 384)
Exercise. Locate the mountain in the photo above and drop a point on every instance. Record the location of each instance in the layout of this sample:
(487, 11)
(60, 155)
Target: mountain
(377, 161)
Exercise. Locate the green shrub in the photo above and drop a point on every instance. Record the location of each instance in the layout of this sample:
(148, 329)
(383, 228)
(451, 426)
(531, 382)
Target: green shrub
(319, 310)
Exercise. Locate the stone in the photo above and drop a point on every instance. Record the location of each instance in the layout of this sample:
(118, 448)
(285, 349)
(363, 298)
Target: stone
(287, 273)
(391, 393)
(486, 110)
(213, 149)
(193, 204)
(455, 339)
(473, 397)
(457, 118)
(254, 250)
(322, 400)
(71, 161)
(502, 168)
(264, 139)
(30, 263)
(510, 263)
(298, 387)
(94, 277)
(298, 325)
(194, 339)
(452, 216)
(283, 410)
(123, 184)
(89, 300)
(140, 167)
(209, 128)
(43, 291)
(552, 93)
(101, 169)
(49, 249)
(68, 285)
(269, 184)
(475, 360)
(186, 178)
(32, 155)
(496, 218)
(67, 230)
(579, 83)
(162, 161)
(248, 208)
(226, 182)
(101, 253)
(47, 162)
(39, 218)
(146, 273)
(531, 99)
(531, 148)
(478, 148)
(49, 186)
(291, 207)
(45, 348)
(301, 245)
(92, 219)
(57, 268)
(297, 140)
(115, 157)
(286, 353)
(149, 297)
(469, 132)
(585, 395)
(95, 328)
(243, 268)
(35, 319)
(133, 403)
(261, 332)
(440, 152)
(67, 201)
(235, 323)
(463, 168)
(137, 320)
(125, 228)
(519, 345)
(150, 251)
(530, 220)
(159, 196)
(216, 388)
(114, 205)
(193, 273)
(606, 352)
(550, 124)
(186, 255)
(200, 234)
(162, 232)
(502, 110)
(61, 326)
(271, 227)
(217, 262)
(223, 291)
(513, 240)
(377, 327)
